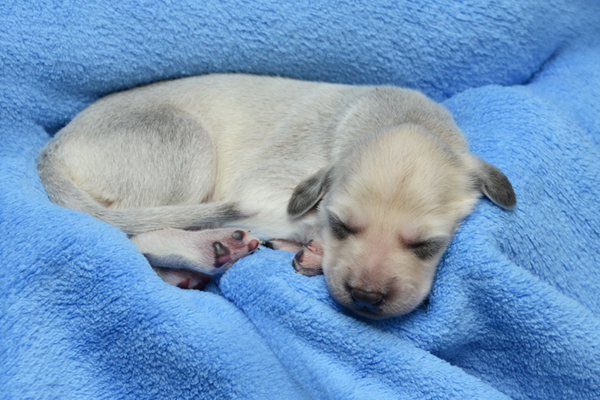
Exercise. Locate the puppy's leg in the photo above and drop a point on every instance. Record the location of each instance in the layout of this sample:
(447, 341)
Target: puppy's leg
(284, 244)
(308, 260)
(187, 258)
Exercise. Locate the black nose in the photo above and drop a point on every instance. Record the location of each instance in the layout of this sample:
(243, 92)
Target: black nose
(362, 298)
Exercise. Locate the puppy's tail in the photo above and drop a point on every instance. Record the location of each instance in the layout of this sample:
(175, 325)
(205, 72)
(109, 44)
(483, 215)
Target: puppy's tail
(133, 221)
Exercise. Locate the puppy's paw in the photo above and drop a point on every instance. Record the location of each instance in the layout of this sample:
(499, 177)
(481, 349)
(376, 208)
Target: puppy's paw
(283, 244)
(308, 260)
(183, 278)
(208, 252)
(234, 245)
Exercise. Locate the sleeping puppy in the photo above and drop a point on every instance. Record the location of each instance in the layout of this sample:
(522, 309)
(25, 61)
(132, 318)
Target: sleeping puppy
(366, 184)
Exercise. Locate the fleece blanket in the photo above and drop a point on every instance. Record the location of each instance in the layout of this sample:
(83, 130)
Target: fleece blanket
(515, 308)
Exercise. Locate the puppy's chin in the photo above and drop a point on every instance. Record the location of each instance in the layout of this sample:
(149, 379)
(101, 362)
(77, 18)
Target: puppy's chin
(389, 309)
(376, 315)
(397, 301)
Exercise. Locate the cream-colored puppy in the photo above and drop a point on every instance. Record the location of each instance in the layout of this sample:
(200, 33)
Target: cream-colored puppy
(367, 184)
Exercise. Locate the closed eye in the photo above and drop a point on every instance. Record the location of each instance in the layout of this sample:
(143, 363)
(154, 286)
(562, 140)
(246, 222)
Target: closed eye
(339, 229)
(426, 249)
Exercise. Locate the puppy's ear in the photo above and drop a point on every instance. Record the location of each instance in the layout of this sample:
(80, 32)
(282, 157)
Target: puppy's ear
(308, 192)
(494, 184)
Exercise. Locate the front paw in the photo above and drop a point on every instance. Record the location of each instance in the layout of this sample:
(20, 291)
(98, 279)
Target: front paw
(308, 260)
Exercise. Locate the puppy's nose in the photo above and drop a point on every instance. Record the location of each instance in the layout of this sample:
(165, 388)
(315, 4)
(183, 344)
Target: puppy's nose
(362, 298)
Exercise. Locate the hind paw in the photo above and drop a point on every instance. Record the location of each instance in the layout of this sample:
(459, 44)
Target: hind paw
(206, 252)
(232, 247)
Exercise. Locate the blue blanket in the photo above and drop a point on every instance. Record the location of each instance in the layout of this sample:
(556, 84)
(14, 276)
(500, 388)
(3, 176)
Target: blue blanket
(515, 308)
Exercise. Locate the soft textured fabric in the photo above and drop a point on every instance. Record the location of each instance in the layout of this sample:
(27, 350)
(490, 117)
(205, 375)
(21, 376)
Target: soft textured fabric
(515, 308)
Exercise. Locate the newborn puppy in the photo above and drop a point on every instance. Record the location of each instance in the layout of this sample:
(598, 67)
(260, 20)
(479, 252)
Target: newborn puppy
(367, 184)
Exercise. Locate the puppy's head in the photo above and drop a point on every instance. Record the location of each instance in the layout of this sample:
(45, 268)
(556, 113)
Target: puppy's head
(389, 209)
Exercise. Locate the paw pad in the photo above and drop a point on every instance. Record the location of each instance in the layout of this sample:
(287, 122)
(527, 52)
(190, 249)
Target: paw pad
(238, 235)
(222, 254)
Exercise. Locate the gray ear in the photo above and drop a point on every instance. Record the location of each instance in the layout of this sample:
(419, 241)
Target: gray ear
(495, 185)
(308, 192)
